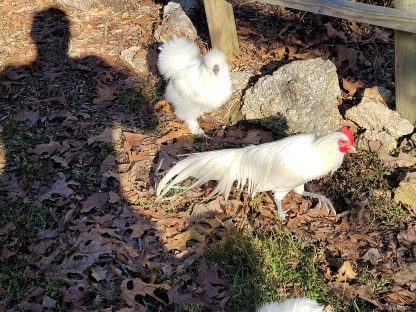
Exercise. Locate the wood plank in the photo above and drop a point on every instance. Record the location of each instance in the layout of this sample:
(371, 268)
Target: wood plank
(405, 49)
(360, 12)
(221, 25)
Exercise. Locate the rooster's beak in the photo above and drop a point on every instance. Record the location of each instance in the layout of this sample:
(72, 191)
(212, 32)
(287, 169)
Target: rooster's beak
(216, 69)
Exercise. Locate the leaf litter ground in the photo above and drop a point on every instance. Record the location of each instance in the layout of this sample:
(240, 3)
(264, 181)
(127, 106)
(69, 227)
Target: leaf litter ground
(84, 142)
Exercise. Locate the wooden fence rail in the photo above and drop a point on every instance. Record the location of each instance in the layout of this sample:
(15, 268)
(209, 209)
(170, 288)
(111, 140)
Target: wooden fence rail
(356, 11)
(402, 19)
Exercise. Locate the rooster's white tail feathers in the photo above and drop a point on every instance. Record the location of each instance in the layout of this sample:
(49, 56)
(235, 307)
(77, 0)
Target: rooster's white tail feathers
(204, 167)
(176, 55)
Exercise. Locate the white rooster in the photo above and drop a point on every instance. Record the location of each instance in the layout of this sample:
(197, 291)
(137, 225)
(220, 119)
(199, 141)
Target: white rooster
(278, 167)
(197, 85)
(293, 305)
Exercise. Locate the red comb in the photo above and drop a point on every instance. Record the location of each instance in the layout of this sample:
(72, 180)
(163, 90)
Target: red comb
(349, 134)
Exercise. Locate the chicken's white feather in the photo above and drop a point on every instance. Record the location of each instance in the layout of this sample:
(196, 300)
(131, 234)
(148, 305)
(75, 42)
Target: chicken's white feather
(279, 166)
(197, 84)
(293, 305)
(176, 55)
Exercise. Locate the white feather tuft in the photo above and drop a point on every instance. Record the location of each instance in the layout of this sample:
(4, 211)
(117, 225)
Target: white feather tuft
(293, 305)
(176, 55)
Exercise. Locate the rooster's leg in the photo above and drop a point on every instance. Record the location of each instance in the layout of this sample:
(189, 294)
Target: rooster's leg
(194, 128)
(321, 198)
(278, 196)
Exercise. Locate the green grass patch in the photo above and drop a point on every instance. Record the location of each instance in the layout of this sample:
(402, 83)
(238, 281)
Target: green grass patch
(363, 180)
(21, 221)
(133, 101)
(34, 169)
(15, 139)
(380, 284)
(268, 266)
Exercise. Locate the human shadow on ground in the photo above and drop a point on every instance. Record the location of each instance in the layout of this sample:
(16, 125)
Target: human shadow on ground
(64, 218)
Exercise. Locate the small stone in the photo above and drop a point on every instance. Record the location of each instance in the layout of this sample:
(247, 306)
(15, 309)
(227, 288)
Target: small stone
(381, 123)
(406, 192)
(136, 58)
(175, 23)
(386, 140)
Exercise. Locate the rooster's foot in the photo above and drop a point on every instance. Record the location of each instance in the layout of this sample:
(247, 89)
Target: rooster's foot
(322, 200)
(282, 213)
(195, 129)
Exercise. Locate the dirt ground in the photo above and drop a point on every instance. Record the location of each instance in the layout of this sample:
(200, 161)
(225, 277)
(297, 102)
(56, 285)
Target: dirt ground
(85, 140)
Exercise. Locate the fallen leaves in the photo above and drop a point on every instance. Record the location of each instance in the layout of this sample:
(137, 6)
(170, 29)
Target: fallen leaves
(346, 272)
(131, 289)
(95, 201)
(59, 187)
(365, 292)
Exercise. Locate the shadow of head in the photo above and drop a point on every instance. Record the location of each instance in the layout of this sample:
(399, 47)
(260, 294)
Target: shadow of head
(50, 32)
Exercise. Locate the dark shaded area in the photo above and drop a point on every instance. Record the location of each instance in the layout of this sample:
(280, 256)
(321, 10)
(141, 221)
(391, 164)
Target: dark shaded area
(61, 102)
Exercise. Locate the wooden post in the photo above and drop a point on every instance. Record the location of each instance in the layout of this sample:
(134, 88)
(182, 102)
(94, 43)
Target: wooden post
(221, 25)
(405, 46)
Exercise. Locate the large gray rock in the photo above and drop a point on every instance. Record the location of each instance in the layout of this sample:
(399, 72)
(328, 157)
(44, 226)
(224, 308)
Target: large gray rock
(175, 23)
(381, 123)
(299, 97)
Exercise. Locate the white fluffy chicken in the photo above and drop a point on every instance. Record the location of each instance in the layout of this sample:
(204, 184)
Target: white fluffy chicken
(278, 167)
(197, 84)
(302, 304)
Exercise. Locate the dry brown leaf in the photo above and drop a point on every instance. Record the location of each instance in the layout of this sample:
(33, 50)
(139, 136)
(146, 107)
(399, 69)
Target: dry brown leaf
(95, 201)
(402, 296)
(109, 135)
(327, 274)
(164, 106)
(49, 302)
(279, 52)
(208, 210)
(99, 273)
(346, 272)
(352, 86)
(258, 136)
(245, 31)
(105, 95)
(131, 287)
(59, 187)
(76, 294)
(382, 34)
(180, 132)
(349, 55)
(23, 115)
(113, 198)
(46, 149)
(365, 292)
(333, 33)
(138, 229)
(406, 274)
(216, 289)
(179, 241)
